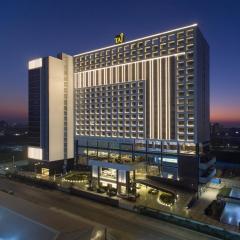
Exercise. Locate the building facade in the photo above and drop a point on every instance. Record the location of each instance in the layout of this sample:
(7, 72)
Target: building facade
(51, 126)
(141, 109)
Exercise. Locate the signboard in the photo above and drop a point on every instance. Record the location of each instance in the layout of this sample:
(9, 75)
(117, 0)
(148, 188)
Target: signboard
(120, 38)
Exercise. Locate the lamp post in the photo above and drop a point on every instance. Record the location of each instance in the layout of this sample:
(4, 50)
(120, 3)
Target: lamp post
(13, 161)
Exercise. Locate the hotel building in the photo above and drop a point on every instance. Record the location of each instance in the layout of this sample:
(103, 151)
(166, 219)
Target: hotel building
(50, 109)
(140, 110)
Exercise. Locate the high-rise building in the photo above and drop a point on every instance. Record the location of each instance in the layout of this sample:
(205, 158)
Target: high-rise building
(141, 109)
(51, 125)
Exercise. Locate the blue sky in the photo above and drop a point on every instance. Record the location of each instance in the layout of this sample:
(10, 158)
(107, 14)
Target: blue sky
(31, 29)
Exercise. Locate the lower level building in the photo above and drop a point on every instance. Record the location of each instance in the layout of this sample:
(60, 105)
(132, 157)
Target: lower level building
(120, 163)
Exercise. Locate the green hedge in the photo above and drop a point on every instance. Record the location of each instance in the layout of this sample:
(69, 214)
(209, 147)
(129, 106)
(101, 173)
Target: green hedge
(167, 198)
(33, 180)
(77, 176)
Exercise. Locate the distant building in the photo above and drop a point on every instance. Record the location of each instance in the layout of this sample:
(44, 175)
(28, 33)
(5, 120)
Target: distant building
(140, 109)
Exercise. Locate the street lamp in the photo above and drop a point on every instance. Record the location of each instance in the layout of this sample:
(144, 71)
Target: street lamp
(13, 161)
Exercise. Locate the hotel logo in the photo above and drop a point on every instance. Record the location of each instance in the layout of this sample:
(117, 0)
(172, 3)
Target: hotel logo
(120, 38)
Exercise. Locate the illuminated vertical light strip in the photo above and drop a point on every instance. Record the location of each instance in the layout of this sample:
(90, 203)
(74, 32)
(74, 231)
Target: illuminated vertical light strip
(169, 101)
(160, 97)
(110, 76)
(105, 76)
(75, 80)
(87, 79)
(151, 93)
(81, 80)
(152, 98)
(84, 79)
(129, 72)
(157, 86)
(136, 71)
(122, 80)
(169, 106)
(94, 78)
(117, 74)
(90, 79)
(166, 104)
(84, 74)
(144, 77)
(81, 84)
(150, 101)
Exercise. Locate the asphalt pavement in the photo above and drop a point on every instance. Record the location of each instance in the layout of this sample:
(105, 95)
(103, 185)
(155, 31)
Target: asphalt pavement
(120, 223)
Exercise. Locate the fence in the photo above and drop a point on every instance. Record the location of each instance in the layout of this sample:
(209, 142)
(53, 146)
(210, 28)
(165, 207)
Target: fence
(188, 223)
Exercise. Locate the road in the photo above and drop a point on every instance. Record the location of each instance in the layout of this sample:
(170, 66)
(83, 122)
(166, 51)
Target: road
(127, 225)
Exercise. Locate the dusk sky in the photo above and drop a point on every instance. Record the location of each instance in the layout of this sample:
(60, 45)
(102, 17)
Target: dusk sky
(30, 29)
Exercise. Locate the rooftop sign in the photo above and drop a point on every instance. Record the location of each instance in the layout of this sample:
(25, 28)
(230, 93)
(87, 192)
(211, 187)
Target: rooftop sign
(120, 38)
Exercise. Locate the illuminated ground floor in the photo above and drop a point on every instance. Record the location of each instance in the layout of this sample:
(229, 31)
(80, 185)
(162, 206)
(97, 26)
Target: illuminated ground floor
(119, 162)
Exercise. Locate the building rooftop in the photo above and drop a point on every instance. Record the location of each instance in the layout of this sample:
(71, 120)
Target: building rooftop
(134, 40)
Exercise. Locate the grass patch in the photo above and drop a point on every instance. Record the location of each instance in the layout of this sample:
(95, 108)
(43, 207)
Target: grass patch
(167, 198)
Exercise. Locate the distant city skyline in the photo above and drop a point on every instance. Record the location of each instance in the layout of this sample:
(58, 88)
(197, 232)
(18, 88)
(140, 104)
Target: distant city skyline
(32, 29)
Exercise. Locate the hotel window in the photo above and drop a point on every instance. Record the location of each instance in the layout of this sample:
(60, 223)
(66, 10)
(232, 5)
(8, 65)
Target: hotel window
(181, 108)
(181, 123)
(190, 123)
(181, 130)
(163, 39)
(181, 58)
(126, 47)
(181, 137)
(190, 130)
(190, 116)
(190, 55)
(190, 137)
(155, 41)
(180, 116)
(190, 32)
(180, 34)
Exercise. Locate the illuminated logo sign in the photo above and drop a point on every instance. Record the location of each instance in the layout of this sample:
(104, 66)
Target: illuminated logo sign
(120, 38)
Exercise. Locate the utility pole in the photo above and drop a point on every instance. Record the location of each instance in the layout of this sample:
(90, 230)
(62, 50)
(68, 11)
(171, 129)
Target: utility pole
(13, 161)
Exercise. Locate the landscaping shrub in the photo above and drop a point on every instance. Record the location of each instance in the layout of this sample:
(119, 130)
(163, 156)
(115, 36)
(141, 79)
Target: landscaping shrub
(167, 198)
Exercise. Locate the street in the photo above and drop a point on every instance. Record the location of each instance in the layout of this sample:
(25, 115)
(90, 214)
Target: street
(121, 223)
